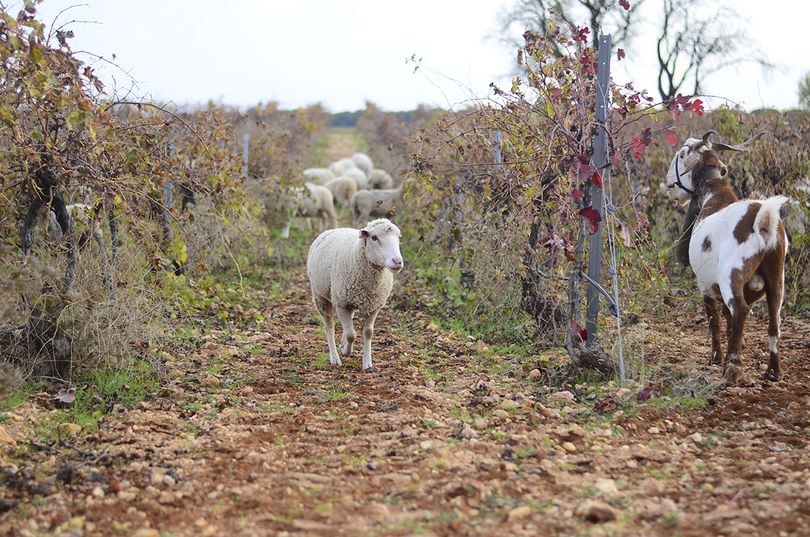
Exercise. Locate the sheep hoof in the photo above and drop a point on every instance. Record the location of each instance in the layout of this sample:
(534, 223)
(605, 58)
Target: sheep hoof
(335, 362)
(714, 359)
(369, 369)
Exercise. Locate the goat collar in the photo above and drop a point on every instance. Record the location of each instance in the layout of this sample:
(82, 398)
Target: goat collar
(678, 175)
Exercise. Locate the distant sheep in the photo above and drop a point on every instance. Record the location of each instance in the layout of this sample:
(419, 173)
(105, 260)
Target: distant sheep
(343, 190)
(319, 176)
(340, 167)
(312, 201)
(380, 180)
(375, 203)
(359, 177)
(363, 161)
(350, 272)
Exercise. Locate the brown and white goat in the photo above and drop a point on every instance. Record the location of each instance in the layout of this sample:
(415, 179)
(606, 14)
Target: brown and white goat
(736, 248)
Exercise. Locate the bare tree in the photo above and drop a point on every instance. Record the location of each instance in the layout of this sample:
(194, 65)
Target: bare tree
(695, 42)
(536, 14)
(600, 15)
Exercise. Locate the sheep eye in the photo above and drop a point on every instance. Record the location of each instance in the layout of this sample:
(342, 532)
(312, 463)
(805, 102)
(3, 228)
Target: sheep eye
(374, 237)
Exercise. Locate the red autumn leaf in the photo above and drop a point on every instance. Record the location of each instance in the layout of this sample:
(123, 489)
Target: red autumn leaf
(578, 334)
(670, 138)
(620, 54)
(577, 194)
(625, 4)
(592, 216)
(695, 106)
(596, 178)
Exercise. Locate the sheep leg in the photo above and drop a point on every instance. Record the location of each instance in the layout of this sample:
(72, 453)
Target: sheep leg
(713, 316)
(325, 307)
(368, 333)
(739, 311)
(774, 294)
(349, 334)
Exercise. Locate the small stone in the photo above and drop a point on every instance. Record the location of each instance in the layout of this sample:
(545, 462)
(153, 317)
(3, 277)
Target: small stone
(69, 430)
(98, 492)
(621, 392)
(6, 439)
(480, 423)
(606, 486)
(654, 430)
(535, 374)
(561, 397)
(500, 413)
(519, 512)
(595, 511)
(697, 438)
(353, 404)
(427, 445)
(146, 532)
(569, 447)
(168, 481)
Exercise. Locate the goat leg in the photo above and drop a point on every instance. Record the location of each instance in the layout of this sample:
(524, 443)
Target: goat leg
(713, 316)
(739, 312)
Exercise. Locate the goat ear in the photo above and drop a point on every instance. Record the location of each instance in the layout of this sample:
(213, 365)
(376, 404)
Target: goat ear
(723, 170)
(363, 233)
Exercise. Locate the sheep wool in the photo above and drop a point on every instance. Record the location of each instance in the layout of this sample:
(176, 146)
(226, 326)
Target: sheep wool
(351, 272)
(343, 189)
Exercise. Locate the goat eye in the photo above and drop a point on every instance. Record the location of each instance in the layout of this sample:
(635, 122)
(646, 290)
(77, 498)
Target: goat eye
(374, 237)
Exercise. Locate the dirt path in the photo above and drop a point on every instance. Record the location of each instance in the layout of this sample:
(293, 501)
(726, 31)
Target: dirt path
(256, 435)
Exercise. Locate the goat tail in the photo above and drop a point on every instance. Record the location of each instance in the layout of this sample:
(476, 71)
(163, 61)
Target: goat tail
(767, 220)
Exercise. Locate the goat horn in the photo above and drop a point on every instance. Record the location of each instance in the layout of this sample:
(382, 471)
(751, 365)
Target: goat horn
(739, 147)
(705, 140)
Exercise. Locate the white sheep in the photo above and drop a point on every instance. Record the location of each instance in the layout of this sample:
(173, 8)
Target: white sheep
(340, 167)
(359, 177)
(310, 201)
(343, 190)
(319, 176)
(363, 161)
(350, 272)
(375, 203)
(379, 179)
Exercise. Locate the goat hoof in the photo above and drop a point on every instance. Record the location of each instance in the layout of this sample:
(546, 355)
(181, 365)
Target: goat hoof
(715, 360)
(369, 369)
(772, 375)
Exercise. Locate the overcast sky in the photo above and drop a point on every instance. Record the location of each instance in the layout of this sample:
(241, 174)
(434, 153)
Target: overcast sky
(343, 52)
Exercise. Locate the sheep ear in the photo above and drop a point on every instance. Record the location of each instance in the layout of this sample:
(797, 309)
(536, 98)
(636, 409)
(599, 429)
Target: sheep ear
(364, 233)
(723, 170)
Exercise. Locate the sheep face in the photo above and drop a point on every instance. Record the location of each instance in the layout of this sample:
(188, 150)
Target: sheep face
(679, 176)
(381, 239)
